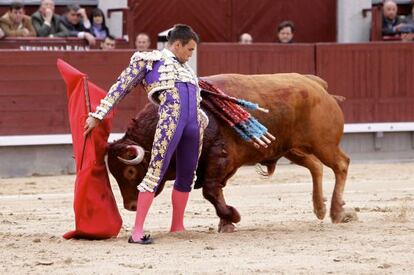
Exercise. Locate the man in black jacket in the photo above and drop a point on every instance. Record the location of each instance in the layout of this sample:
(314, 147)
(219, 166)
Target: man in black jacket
(78, 24)
(390, 20)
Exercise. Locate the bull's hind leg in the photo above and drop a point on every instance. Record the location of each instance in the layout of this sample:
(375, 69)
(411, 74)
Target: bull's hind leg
(316, 169)
(335, 159)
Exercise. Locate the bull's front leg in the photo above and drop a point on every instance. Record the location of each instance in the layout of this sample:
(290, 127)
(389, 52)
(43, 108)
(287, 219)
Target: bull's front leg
(213, 192)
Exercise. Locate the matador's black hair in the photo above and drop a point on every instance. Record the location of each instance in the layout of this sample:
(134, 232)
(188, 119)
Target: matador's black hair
(183, 33)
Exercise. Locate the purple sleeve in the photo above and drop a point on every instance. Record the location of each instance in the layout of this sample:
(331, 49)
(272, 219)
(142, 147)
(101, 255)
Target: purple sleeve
(128, 79)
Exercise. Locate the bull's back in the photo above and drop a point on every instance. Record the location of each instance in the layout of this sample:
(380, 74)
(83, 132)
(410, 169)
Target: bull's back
(298, 104)
(268, 89)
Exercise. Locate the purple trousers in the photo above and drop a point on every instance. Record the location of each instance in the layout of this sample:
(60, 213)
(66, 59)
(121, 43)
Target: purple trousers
(178, 131)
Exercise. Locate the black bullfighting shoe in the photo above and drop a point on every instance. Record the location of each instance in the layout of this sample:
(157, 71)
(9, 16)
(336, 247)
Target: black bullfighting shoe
(146, 239)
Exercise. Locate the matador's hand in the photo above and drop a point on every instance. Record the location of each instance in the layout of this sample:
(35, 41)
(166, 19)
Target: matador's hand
(90, 123)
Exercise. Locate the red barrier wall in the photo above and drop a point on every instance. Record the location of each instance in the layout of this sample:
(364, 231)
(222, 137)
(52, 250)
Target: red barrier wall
(376, 78)
(257, 58)
(33, 95)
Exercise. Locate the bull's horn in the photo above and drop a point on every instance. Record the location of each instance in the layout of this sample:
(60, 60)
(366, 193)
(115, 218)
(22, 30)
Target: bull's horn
(139, 151)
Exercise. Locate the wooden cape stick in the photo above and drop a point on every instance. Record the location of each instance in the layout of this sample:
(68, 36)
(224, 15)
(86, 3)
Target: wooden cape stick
(88, 109)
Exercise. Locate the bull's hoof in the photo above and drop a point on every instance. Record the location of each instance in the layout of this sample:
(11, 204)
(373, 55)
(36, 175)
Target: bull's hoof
(320, 212)
(344, 216)
(235, 216)
(226, 227)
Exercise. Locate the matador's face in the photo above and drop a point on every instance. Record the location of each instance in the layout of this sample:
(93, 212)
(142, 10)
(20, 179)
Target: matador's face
(184, 52)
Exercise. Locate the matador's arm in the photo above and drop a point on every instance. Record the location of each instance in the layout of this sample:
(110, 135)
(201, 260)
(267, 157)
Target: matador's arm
(140, 64)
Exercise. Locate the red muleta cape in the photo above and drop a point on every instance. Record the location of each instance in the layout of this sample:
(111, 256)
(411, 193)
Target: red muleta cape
(96, 212)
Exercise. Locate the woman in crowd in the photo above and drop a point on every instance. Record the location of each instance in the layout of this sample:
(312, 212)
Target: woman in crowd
(99, 28)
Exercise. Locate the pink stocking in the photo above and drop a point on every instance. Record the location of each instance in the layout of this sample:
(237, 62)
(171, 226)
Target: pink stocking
(179, 202)
(144, 202)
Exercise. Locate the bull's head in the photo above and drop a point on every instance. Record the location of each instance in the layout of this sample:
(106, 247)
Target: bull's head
(128, 163)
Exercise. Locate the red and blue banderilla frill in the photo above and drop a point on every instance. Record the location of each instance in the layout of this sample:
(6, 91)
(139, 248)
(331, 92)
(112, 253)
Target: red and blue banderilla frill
(229, 110)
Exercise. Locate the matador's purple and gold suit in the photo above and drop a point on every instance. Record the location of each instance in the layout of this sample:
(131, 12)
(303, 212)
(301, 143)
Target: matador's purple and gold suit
(174, 87)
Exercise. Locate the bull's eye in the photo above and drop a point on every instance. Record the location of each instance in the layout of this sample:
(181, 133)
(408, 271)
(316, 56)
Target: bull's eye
(131, 154)
(130, 172)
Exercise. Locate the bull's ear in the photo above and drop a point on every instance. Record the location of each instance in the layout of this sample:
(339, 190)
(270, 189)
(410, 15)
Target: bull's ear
(116, 148)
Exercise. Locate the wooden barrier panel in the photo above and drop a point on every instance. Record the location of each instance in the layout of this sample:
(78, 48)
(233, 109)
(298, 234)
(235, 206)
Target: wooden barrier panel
(376, 79)
(257, 58)
(33, 95)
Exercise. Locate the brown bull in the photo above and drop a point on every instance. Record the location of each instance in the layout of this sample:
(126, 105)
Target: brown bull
(306, 121)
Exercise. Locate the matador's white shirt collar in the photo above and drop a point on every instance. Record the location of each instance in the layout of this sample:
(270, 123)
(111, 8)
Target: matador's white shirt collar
(170, 54)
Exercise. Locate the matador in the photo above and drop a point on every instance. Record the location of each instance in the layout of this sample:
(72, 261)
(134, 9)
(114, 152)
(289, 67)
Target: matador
(170, 83)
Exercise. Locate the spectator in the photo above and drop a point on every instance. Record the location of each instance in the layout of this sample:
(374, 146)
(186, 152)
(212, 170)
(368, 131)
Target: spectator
(1, 33)
(108, 43)
(407, 37)
(77, 23)
(246, 38)
(142, 42)
(285, 32)
(46, 22)
(409, 20)
(390, 21)
(16, 23)
(99, 28)
(406, 28)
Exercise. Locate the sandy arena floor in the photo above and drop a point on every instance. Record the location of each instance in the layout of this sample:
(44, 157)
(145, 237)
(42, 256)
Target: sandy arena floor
(278, 233)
